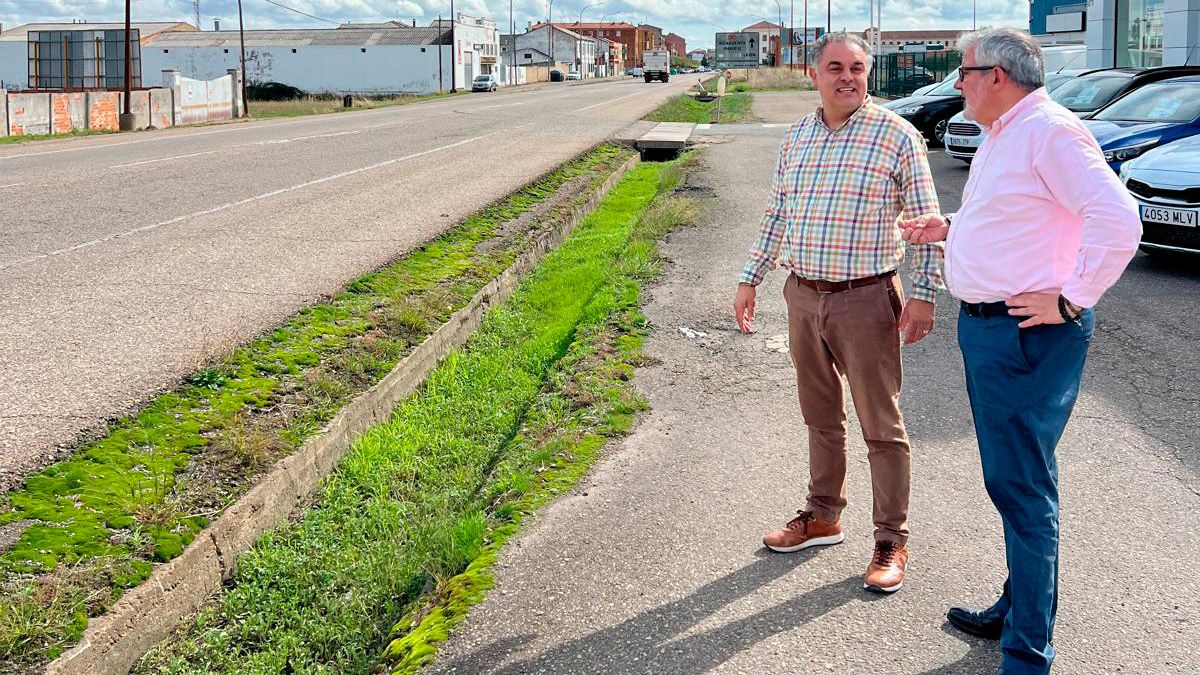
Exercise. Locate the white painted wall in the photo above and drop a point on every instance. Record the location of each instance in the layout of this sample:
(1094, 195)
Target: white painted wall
(14, 64)
(342, 69)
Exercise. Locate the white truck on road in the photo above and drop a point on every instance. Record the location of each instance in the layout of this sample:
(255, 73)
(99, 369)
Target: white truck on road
(656, 65)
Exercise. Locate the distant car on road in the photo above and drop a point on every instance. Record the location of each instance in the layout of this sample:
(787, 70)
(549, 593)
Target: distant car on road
(573, 75)
(1165, 182)
(484, 83)
(930, 113)
(1154, 115)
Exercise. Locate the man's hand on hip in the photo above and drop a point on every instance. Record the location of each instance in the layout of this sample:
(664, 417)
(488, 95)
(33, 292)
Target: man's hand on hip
(924, 229)
(1041, 308)
(743, 307)
(916, 320)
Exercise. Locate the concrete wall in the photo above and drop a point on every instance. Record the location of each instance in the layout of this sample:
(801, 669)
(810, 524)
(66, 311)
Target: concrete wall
(68, 112)
(162, 108)
(103, 108)
(139, 105)
(28, 114)
(381, 69)
(3, 112)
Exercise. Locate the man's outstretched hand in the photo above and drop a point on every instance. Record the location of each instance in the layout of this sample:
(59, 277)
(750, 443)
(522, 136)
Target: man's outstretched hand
(924, 229)
(743, 307)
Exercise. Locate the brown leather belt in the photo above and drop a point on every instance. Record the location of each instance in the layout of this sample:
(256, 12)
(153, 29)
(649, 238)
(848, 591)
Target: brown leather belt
(822, 286)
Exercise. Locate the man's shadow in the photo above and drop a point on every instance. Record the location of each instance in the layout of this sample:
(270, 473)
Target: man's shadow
(648, 643)
(983, 656)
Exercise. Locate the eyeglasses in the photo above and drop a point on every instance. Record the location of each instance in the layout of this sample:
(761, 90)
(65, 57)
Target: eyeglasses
(964, 69)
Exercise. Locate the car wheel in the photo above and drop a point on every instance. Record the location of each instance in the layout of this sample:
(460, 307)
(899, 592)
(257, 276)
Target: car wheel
(939, 131)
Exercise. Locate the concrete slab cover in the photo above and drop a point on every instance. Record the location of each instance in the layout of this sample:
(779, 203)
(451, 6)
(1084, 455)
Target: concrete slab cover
(102, 110)
(68, 112)
(28, 114)
(670, 135)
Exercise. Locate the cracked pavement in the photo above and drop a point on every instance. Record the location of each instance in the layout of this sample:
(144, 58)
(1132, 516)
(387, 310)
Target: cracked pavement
(129, 261)
(653, 564)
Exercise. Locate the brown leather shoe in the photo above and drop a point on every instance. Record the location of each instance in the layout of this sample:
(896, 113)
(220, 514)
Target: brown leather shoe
(803, 531)
(885, 574)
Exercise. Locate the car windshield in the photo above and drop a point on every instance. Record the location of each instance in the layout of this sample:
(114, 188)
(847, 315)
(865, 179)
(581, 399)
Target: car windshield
(1159, 102)
(1085, 94)
(482, 78)
(1056, 80)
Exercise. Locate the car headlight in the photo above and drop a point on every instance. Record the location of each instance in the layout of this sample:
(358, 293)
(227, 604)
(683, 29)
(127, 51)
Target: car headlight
(911, 109)
(1124, 172)
(1128, 152)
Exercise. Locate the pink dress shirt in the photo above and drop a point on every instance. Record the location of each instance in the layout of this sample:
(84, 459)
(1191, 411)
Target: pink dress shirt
(1041, 211)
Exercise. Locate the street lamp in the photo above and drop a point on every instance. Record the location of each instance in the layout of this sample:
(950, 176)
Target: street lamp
(125, 119)
(779, 10)
(453, 51)
(578, 42)
(550, 38)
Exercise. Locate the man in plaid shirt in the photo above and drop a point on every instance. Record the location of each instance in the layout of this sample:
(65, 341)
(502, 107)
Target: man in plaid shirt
(846, 174)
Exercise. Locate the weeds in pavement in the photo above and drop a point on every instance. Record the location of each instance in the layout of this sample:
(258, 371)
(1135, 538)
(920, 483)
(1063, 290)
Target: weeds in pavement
(164, 473)
(420, 504)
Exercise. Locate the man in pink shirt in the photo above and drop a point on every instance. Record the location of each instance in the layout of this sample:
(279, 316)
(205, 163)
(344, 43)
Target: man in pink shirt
(1044, 229)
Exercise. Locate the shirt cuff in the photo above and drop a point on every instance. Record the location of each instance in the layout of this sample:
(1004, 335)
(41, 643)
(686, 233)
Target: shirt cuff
(924, 293)
(1079, 294)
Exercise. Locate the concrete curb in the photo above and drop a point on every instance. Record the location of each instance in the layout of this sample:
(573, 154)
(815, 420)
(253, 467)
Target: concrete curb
(146, 615)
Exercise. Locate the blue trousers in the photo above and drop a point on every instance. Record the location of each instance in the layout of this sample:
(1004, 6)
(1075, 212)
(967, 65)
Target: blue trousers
(1023, 383)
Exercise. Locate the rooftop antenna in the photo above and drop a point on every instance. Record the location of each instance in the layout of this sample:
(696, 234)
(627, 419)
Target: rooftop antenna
(196, 12)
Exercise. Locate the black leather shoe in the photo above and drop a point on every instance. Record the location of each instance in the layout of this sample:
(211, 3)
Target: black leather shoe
(979, 623)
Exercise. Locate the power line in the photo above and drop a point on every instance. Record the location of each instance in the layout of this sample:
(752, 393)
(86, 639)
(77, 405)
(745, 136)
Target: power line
(293, 9)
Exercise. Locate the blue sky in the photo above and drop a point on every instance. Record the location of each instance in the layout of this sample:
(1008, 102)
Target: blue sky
(696, 20)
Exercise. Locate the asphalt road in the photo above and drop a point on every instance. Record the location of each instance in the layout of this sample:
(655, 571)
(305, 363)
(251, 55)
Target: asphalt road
(654, 565)
(127, 261)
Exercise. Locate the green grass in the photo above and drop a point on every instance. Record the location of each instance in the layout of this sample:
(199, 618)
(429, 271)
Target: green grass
(735, 108)
(29, 138)
(323, 106)
(143, 491)
(422, 502)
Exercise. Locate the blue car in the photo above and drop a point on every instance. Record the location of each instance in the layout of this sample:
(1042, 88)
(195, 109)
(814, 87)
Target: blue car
(1146, 118)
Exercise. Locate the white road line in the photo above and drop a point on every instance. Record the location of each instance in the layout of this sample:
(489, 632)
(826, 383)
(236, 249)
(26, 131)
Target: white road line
(10, 185)
(703, 126)
(162, 159)
(242, 202)
(611, 100)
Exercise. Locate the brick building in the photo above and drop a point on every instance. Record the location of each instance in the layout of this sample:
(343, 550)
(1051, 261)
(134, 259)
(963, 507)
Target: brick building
(676, 45)
(632, 40)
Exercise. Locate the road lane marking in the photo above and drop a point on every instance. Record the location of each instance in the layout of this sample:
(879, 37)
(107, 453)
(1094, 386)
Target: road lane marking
(240, 202)
(10, 185)
(606, 102)
(163, 159)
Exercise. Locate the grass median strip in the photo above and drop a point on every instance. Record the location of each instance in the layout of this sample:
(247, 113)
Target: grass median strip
(735, 108)
(79, 532)
(421, 503)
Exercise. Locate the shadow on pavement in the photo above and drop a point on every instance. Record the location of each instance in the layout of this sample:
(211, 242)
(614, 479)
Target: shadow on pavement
(647, 643)
(983, 656)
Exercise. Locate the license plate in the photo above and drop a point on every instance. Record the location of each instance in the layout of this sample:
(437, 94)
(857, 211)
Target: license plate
(1164, 216)
(963, 141)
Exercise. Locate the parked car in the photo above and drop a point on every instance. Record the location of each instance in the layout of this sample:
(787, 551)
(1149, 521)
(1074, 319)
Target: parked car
(1090, 92)
(1165, 182)
(573, 75)
(636, 72)
(557, 76)
(484, 83)
(1062, 57)
(929, 87)
(1153, 115)
(932, 112)
(963, 136)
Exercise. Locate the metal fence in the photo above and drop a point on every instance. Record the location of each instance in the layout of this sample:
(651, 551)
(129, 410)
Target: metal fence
(898, 75)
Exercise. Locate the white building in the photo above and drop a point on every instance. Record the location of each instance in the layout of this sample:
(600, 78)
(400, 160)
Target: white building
(477, 46)
(571, 50)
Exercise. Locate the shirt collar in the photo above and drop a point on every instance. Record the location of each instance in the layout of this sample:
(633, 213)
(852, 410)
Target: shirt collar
(1025, 105)
(853, 116)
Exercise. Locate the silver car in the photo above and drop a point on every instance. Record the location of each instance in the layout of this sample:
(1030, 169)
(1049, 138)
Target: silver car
(1166, 184)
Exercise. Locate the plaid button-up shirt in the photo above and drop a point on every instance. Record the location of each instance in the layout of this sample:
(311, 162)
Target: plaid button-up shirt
(836, 197)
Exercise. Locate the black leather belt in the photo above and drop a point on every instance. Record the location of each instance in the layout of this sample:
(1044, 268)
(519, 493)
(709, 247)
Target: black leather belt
(822, 286)
(983, 310)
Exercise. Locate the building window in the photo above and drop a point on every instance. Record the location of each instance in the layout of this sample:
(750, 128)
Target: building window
(293, 51)
(422, 50)
(226, 51)
(364, 50)
(166, 51)
(618, 33)
(1140, 33)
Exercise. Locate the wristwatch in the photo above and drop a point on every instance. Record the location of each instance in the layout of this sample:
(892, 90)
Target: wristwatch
(1067, 309)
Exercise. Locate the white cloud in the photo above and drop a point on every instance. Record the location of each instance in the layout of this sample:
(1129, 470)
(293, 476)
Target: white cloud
(696, 20)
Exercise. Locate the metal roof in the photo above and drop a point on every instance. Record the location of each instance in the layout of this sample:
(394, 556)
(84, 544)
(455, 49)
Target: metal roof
(305, 37)
(146, 28)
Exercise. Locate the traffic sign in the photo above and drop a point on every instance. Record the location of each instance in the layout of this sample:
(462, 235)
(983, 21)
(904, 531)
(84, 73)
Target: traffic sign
(738, 50)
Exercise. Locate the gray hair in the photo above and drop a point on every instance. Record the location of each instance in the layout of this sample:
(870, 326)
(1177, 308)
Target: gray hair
(1013, 50)
(830, 38)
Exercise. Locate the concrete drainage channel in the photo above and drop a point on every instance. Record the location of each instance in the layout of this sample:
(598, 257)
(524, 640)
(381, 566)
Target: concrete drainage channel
(145, 616)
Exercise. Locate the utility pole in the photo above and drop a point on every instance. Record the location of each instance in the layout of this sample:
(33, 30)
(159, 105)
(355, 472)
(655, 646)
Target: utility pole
(242, 40)
(441, 48)
(828, 17)
(512, 47)
(196, 11)
(125, 120)
(805, 37)
(791, 34)
(453, 51)
(550, 39)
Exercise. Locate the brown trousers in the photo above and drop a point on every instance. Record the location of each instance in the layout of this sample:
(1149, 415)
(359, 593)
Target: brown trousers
(853, 334)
